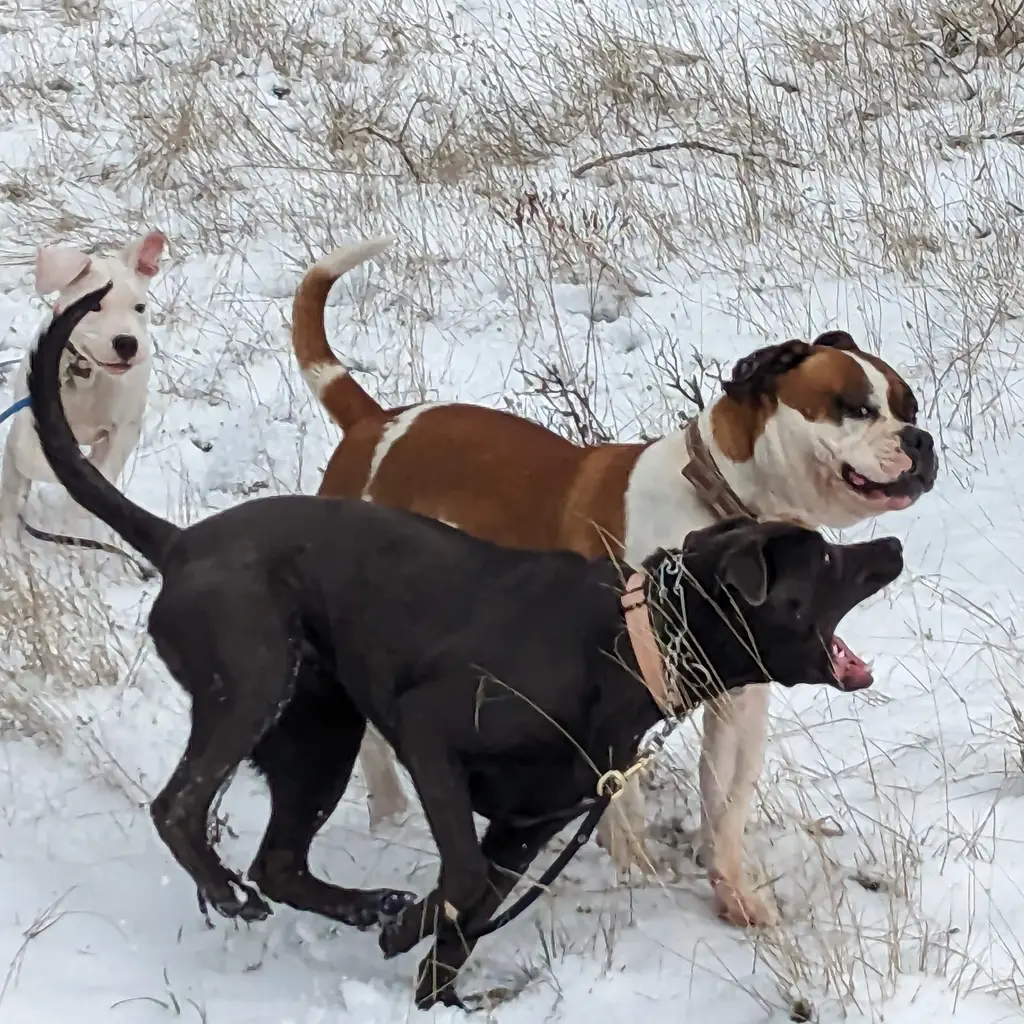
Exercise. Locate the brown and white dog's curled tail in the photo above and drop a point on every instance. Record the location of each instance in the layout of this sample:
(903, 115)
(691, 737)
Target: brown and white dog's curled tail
(345, 401)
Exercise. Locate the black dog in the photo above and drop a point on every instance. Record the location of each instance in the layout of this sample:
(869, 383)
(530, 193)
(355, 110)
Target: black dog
(505, 680)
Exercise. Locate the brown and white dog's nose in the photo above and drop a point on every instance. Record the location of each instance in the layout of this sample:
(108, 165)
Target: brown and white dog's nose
(125, 346)
(918, 444)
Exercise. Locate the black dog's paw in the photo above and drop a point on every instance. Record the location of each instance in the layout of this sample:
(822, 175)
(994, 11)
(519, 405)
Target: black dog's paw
(393, 903)
(401, 931)
(244, 902)
(427, 996)
(381, 907)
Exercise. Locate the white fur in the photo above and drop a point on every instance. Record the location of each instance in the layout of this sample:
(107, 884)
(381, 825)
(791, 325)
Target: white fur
(390, 436)
(320, 376)
(341, 260)
(105, 410)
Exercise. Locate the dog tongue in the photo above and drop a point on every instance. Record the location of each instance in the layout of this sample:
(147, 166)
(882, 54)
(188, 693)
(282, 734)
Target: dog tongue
(851, 672)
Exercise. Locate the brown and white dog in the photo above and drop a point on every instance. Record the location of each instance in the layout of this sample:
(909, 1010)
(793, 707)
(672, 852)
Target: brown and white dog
(821, 433)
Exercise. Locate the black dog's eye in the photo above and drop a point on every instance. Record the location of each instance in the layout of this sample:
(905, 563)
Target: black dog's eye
(140, 307)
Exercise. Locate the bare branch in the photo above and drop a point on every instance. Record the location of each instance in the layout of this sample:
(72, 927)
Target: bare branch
(688, 144)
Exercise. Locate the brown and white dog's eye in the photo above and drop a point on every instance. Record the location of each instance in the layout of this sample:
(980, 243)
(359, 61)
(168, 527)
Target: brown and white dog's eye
(855, 410)
(140, 307)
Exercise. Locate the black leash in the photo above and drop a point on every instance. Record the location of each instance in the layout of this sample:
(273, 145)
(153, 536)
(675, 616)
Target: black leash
(555, 868)
(608, 787)
(144, 572)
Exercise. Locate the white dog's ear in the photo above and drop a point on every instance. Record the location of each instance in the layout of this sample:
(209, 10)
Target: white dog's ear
(143, 255)
(57, 266)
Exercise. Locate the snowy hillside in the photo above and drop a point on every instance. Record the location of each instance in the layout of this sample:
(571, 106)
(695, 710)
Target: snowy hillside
(842, 163)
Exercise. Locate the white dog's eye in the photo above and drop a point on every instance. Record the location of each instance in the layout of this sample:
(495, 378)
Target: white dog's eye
(140, 307)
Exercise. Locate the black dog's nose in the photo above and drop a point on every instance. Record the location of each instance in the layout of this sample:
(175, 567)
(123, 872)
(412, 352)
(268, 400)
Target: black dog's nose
(892, 546)
(917, 443)
(125, 346)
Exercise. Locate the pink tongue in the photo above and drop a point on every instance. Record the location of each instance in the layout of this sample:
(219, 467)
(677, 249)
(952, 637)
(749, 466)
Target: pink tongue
(851, 672)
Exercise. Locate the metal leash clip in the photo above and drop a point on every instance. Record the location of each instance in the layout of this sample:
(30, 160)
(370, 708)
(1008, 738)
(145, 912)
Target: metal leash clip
(613, 782)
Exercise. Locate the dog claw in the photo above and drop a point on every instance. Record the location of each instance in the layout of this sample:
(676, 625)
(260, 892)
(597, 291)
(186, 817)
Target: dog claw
(446, 997)
(397, 933)
(392, 903)
(381, 908)
(245, 903)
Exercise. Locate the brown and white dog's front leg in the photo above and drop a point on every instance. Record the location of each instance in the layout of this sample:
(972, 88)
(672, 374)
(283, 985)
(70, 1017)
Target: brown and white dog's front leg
(732, 754)
(385, 797)
(621, 832)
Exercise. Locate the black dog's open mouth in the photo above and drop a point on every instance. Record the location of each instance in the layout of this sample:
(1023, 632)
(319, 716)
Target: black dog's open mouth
(851, 672)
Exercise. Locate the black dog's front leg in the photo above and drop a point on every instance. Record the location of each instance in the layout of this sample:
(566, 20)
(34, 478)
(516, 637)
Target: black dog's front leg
(510, 850)
(463, 879)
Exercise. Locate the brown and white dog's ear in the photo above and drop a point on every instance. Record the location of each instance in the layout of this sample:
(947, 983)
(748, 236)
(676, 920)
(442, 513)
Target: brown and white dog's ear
(143, 255)
(56, 266)
(837, 339)
(756, 374)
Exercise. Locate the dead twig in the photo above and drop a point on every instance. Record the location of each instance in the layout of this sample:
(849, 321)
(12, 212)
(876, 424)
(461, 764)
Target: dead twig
(688, 144)
(397, 142)
(569, 403)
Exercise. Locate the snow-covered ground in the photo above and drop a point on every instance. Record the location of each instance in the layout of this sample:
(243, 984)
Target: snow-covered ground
(852, 164)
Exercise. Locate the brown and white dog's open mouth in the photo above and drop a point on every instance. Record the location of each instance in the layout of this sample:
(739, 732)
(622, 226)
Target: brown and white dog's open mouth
(892, 495)
(851, 672)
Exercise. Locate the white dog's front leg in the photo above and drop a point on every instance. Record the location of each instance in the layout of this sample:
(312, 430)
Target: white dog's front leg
(14, 488)
(735, 728)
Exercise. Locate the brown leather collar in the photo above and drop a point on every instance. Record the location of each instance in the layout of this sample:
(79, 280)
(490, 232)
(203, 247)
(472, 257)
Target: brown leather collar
(707, 479)
(645, 643)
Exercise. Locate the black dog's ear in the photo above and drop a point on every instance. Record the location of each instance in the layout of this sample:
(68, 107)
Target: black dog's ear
(755, 374)
(837, 339)
(696, 539)
(743, 565)
(744, 569)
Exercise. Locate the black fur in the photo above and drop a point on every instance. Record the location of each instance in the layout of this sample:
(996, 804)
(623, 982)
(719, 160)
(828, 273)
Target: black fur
(503, 679)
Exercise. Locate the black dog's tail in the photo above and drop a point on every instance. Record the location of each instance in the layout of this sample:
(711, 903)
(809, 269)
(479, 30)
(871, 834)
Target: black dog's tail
(150, 535)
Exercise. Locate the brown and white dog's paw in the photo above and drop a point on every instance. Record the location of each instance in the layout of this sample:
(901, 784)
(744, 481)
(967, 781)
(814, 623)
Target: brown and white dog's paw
(737, 905)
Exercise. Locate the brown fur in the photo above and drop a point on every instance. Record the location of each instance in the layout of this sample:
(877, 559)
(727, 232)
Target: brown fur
(560, 496)
(827, 374)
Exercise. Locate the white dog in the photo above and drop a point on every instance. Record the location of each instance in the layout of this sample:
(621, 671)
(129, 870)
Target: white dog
(105, 375)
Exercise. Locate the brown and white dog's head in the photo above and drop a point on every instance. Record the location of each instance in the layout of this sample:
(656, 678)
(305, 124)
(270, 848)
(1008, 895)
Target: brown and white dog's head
(828, 432)
(117, 337)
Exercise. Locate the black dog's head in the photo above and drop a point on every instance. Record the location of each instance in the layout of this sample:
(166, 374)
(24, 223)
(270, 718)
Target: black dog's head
(745, 602)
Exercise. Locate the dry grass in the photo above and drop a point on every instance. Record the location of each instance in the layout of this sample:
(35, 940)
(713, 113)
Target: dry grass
(850, 161)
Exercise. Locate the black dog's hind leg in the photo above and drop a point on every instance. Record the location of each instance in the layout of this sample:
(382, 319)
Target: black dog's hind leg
(306, 758)
(510, 850)
(236, 661)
